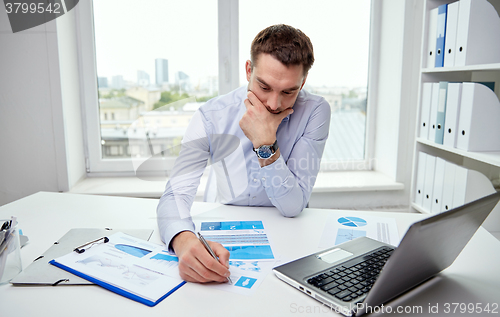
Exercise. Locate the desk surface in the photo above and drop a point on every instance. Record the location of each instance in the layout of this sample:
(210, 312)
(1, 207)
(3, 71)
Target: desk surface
(45, 217)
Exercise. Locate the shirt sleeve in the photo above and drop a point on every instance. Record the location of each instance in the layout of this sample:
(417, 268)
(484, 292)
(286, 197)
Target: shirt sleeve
(289, 184)
(173, 211)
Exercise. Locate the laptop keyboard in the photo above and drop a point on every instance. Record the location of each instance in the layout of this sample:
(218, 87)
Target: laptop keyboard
(354, 278)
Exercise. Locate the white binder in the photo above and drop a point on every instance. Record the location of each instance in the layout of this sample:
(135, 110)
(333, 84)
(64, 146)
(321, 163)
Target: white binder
(430, 165)
(434, 111)
(460, 186)
(448, 186)
(469, 186)
(431, 38)
(437, 189)
(441, 112)
(451, 34)
(452, 114)
(477, 33)
(419, 190)
(425, 110)
(478, 124)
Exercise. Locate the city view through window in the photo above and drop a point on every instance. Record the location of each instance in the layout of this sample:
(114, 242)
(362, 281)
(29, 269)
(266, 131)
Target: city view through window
(157, 63)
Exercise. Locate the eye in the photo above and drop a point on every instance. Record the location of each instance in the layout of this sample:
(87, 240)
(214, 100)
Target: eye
(287, 92)
(264, 88)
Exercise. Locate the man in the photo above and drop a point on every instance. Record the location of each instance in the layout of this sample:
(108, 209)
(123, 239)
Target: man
(264, 141)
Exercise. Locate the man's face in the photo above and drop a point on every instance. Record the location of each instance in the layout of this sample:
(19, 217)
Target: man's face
(276, 85)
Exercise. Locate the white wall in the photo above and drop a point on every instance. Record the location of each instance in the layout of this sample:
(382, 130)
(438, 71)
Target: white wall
(71, 99)
(33, 142)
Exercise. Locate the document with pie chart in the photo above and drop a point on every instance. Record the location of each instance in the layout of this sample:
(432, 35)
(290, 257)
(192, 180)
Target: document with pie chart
(341, 227)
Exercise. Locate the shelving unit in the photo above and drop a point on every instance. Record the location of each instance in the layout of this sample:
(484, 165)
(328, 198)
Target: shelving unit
(469, 68)
(487, 163)
(491, 158)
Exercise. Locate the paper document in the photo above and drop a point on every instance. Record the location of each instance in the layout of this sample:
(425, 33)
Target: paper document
(342, 228)
(131, 267)
(245, 240)
(251, 256)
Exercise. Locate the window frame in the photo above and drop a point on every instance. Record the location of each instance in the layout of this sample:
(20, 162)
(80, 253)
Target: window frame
(228, 33)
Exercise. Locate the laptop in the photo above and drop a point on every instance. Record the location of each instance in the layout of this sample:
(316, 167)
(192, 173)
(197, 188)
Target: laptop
(363, 273)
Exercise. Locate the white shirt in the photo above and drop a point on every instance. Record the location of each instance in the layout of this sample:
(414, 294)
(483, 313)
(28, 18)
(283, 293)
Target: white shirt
(215, 137)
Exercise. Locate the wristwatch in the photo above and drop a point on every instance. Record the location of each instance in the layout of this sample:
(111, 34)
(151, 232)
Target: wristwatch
(266, 151)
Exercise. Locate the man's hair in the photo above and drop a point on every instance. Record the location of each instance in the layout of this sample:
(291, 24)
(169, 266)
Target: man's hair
(287, 44)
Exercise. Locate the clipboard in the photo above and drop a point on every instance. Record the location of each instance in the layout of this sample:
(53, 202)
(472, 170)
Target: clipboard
(128, 266)
(40, 272)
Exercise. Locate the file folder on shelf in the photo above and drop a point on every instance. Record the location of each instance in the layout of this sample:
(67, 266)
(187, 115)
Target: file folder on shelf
(440, 35)
(441, 112)
(452, 114)
(451, 34)
(469, 186)
(425, 110)
(434, 110)
(478, 125)
(437, 189)
(419, 190)
(448, 186)
(431, 39)
(430, 165)
(477, 33)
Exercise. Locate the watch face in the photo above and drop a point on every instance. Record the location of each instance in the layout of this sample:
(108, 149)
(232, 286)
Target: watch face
(264, 152)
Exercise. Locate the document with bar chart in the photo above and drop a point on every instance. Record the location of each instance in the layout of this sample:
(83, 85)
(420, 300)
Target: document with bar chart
(251, 257)
(245, 240)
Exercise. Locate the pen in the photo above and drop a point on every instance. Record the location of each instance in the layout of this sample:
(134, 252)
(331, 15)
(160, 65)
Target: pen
(209, 249)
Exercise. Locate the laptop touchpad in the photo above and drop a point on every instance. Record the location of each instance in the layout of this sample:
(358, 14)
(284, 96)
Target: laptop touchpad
(334, 255)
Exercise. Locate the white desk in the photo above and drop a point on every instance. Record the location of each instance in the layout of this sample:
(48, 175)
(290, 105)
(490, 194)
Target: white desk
(45, 217)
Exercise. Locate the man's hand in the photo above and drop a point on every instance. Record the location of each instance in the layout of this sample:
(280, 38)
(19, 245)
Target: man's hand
(196, 264)
(258, 124)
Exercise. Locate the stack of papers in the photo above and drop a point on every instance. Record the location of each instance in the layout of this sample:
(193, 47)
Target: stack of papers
(251, 256)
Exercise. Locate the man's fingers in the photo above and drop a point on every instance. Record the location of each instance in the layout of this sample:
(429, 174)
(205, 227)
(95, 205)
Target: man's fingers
(283, 114)
(221, 252)
(248, 104)
(212, 264)
(195, 263)
(198, 266)
(254, 100)
(190, 275)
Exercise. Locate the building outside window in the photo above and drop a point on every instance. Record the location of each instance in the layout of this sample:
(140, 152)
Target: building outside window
(153, 74)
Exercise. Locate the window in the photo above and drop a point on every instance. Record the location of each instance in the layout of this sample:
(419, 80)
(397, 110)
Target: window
(339, 31)
(156, 62)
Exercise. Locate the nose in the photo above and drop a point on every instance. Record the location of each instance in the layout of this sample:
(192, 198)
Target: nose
(274, 101)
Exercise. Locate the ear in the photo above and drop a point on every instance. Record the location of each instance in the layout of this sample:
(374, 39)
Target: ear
(303, 82)
(248, 69)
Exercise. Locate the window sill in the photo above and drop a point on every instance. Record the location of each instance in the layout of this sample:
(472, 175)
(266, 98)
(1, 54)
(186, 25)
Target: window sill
(354, 181)
(325, 183)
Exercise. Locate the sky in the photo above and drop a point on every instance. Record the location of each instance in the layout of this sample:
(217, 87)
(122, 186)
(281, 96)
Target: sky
(131, 34)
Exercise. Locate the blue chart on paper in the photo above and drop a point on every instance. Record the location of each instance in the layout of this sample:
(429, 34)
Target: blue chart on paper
(250, 252)
(352, 221)
(255, 238)
(344, 235)
(231, 225)
(246, 266)
(246, 282)
(165, 257)
(135, 251)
